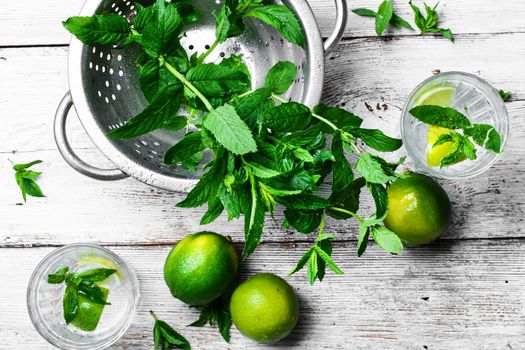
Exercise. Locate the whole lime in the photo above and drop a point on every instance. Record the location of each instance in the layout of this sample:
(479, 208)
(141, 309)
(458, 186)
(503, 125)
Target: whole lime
(200, 268)
(419, 210)
(264, 308)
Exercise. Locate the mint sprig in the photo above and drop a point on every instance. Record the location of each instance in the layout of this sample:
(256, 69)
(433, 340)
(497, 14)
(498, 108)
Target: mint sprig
(26, 179)
(80, 284)
(215, 314)
(384, 17)
(164, 336)
(465, 136)
(429, 23)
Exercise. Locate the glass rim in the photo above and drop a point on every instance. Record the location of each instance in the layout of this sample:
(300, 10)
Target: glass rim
(491, 94)
(37, 320)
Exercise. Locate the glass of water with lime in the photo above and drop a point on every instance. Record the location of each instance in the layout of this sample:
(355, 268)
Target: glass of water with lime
(454, 125)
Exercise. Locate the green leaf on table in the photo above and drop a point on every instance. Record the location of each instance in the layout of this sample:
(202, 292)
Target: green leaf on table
(372, 169)
(282, 19)
(386, 239)
(428, 23)
(160, 30)
(26, 179)
(217, 314)
(302, 262)
(218, 80)
(185, 149)
(338, 116)
(444, 117)
(98, 30)
(157, 114)
(58, 276)
(70, 304)
(362, 240)
(165, 336)
(396, 21)
(96, 275)
(384, 15)
(380, 197)
(280, 77)
(505, 95)
(230, 131)
(313, 267)
(375, 139)
(287, 117)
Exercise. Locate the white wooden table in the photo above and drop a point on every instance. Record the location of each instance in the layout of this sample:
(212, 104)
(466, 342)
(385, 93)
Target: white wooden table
(466, 291)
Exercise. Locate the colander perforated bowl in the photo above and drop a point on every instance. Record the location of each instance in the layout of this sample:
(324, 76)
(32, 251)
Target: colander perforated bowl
(104, 86)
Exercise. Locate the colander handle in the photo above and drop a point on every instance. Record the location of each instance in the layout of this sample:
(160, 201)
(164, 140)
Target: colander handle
(341, 17)
(67, 152)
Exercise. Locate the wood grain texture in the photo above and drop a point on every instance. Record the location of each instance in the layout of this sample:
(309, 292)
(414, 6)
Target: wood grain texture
(80, 209)
(460, 295)
(39, 23)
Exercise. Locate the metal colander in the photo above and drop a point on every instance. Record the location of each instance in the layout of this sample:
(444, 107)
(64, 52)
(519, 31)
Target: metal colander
(104, 86)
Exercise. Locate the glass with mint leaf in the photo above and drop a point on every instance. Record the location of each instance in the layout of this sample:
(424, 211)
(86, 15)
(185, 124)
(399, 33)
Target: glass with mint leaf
(454, 125)
(82, 296)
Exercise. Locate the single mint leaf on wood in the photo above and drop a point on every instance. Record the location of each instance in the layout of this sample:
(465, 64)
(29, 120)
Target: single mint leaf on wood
(380, 197)
(384, 15)
(96, 275)
(313, 267)
(26, 179)
(303, 221)
(215, 209)
(25, 166)
(98, 30)
(386, 239)
(362, 240)
(165, 336)
(372, 170)
(70, 304)
(287, 117)
(363, 12)
(505, 95)
(217, 313)
(282, 19)
(58, 276)
(444, 117)
(230, 131)
(280, 77)
(154, 116)
(396, 21)
(184, 149)
(343, 175)
(302, 262)
(338, 116)
(375, 139)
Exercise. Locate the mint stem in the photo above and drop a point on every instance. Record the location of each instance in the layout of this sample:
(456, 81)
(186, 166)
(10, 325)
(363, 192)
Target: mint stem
(153, 315)
(208, 52)
(348, 212)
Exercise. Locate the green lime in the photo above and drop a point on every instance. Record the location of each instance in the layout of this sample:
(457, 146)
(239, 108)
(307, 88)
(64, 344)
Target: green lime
(264, 308)
(419, 210)
(89, 313)
(200, 268)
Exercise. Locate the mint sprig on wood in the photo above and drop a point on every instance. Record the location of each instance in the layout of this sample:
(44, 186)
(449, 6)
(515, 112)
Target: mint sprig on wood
(26, 179)
(265, 151)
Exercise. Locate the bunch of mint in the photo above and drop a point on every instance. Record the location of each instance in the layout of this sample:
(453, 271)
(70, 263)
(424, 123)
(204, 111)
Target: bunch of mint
(265, 150)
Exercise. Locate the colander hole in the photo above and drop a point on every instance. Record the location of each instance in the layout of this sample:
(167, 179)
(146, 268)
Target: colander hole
(206, 46)
(94, 49)
(120, 73)
(108, 57)
(111, 71)
(128, 3)
(222, 54)
(107, 83)
(144, 143)
(116, 9)
(120, 12)
(99, 93)
(113, 97)
(119, 57)
(149, 155)
(137, 151)
(103, 69)
(91, 65)
(119, 87)
(101, 54)
(113, 5)
(96, 67)
(154, 152)
(106, 99)
(132, 7)
(137, 145)
(191, 47)
(218, 2)
(156, 144)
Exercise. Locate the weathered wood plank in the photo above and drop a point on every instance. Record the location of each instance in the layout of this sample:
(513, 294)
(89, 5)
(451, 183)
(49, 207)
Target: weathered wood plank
(461, 295)
(39, 23)
(80, 209)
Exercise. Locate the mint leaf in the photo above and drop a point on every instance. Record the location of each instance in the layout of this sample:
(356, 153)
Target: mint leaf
(98, 30)
(252, 107)
(505, 95)
(305, 201)
(159, 33)
(313, 267)
(230, 201)
(371, 169)
(58, 276)
(387, 239)
(347, 199)
(328, 260)
(153, 78)
(395, 21)
(485, 135)
(493, 141)
(362, 240)
(343, 175)
(230, 131)
(70, 304)
(165, 336)
(338, 116)
(96, 275)
(215, 209)
(384, 15)
(302, 220)
(157, 114)
(380, 196)
(288, 117)
(377, 140)
(185, 149)
(444, 117)
(215, 314)
(260, 170)
(26, 179)
(302, 262)
(280, 77)
(235, 62)
(217, 80)
(428, 23)
(92, 291)
(303, 155)
(254, 211)
(363, 12)
(282, 19)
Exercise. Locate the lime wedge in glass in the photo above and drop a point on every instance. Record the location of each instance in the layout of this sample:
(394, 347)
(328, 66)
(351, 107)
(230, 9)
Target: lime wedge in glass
(437, 96)
(89, 313)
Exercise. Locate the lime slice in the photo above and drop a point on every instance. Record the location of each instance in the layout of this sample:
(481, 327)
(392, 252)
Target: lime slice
(89, 260)
(89, 313)
(437, 96)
